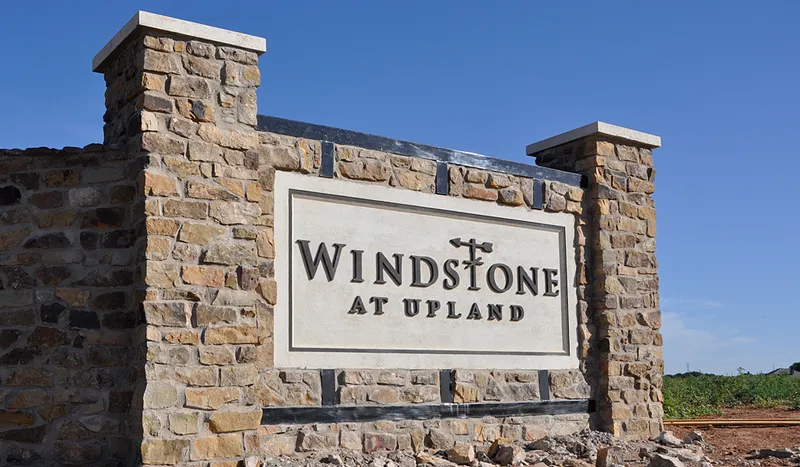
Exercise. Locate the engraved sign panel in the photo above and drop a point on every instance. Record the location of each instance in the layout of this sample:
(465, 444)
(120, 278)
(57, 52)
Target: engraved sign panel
(377, 277)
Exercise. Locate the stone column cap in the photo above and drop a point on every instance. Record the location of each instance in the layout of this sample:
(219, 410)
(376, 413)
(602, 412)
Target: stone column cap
(640, 139)
(145, 19)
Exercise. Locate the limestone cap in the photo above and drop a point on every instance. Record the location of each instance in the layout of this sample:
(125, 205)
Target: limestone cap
(597, 128)
(147, 20)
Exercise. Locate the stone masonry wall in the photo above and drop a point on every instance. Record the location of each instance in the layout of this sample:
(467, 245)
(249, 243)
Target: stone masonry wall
(68, 356)
(625, 286)
(137, 283)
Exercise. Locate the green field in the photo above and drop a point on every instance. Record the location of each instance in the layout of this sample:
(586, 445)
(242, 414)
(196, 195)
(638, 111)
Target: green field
(695, 394)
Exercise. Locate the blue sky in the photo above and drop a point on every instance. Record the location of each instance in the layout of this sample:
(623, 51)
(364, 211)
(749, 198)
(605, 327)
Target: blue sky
(717, 80)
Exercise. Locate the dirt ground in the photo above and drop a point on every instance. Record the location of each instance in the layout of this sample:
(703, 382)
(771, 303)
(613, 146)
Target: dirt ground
(733, 443)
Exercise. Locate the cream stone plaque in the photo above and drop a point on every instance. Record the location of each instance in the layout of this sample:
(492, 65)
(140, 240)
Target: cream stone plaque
(377, 277)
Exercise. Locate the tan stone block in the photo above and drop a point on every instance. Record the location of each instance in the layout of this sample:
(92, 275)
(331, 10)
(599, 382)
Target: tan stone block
(211, 398)
(242, 334)
(184, 423)
(233, 185)
(186, 252)
(160, 395)
(417, 181)
(160, 62)
(215, 355)
(203, 376)
(234, 213)
(476, 176)
(268, 289)
(207, 314)
(233, 139)
(208, 190)
(202, 234)
(162, 144)
(190, 209)
(156, 184)
(479, 192)
(498, 181)
(254, 191)
(271, 446)
(181, 167)
(203, 275)
(239, 375)
(511, 196)
(164, 451)
(161, 226)
(183, 337)
(154, 82)
(158, 248)
(239, 420)
(384, 396)
(214, 447)
(350, 440)
(265, 243)
(647, 213)
(167, 314)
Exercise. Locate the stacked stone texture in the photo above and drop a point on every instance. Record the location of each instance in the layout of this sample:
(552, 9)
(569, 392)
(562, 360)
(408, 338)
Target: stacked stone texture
(69, 365)
(624, 272)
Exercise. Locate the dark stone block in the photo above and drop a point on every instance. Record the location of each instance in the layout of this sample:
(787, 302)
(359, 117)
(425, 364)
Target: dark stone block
(46, 338)
(9, 195)
(8, 337)
(119, 401)
(18, 278)
(64, 357)
(18, 357)
(105, 279)
(77, 453)
(106, 355)
(65, 177)
(47, 200)
(89, 240)
(122, 194)
(17, 317)
(54, 275)
(110, 301)
(119, 239)
(16, 455)
(29, 180)
(14, 216)
(51, 312)
(156, 104)
(103, 217)
(53, 240)
(78, 342)
(83, 319)
(98, 378)
(120, 320)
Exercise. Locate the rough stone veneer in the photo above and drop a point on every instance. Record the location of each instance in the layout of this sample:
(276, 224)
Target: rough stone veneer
(69, 359)
(138, 283)
(624, 295)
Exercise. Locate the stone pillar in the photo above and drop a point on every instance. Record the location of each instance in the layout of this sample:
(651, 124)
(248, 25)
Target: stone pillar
(618, 167)
(181, 98)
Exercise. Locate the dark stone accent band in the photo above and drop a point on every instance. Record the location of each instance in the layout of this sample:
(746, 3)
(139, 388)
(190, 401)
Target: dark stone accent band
(326, 162)
(371, 413)
(379, 143)
(544, 385)
(538, 194)
(328, 380)
(446, 388)
(442, 179)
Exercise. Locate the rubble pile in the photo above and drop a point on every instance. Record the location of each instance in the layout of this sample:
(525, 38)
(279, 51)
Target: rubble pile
(585, 449)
